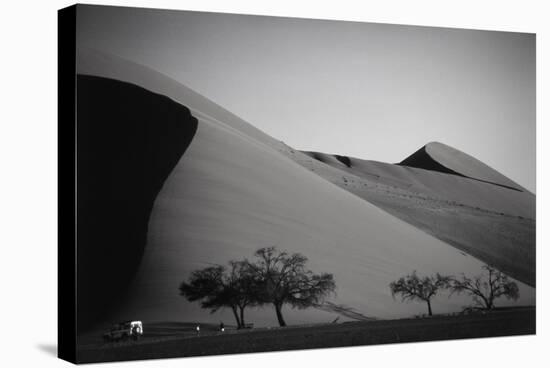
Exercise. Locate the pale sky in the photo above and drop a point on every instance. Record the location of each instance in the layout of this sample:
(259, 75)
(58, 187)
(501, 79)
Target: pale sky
(371, 91)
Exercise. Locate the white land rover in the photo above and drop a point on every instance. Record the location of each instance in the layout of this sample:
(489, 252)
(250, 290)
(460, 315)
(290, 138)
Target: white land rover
(124, 330)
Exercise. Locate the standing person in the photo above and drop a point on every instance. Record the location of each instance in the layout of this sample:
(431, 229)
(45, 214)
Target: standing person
(198, 328)
(222, 327)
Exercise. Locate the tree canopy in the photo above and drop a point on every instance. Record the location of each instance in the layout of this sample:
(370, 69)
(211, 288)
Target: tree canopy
(283, 278)
(218, 287)
(491, 284)
(275, 277)
(413, 287)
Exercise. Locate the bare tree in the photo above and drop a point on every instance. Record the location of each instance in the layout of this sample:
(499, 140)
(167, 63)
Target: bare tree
(242, 287)
(217, 287)
(486, 287)
(413, 287)
(284, 279)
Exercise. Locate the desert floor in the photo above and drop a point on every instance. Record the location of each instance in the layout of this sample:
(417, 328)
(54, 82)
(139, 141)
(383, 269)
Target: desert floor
(168, 340)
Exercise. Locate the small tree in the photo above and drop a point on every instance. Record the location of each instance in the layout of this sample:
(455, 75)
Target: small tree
(216, 287)
(242, 287)
(413, 287)
(283, 278)
(491, 284)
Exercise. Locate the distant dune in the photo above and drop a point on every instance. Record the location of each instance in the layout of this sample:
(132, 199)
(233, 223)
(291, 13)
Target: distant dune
(492, 222)
(235, 189)
(440, 157)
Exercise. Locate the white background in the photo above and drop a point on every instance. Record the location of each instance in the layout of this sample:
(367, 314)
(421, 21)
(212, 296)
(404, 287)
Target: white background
(28, 182)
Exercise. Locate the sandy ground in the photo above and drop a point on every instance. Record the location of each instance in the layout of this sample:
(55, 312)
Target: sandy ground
(236, 190)
(183, 342)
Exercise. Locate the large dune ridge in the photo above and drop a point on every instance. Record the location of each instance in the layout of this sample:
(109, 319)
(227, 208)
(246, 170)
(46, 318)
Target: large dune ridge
(236, 189)
(129, 140)
(492, 222)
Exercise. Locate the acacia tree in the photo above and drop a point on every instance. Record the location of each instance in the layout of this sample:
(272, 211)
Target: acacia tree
(217, 287)
(491, 284)
(243, 287)
(282, 278)
(413, 287)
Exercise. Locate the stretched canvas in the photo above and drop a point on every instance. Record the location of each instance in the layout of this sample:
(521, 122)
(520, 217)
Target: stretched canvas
(236, 183)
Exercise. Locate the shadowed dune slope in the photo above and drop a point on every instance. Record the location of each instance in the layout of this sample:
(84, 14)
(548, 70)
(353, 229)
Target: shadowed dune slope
(129, 139)
(236, 189)
(92, 62)
(494, 223)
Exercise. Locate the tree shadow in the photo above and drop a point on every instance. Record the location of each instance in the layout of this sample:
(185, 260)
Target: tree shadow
(344, 310)
(50, 349)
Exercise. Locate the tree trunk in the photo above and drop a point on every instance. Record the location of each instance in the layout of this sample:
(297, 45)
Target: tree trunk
(488, 302)
(242, 316)
(280, 318)
(429, 307)
(234, 309)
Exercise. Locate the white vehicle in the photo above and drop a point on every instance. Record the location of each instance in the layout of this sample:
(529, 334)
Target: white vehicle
(125, 330)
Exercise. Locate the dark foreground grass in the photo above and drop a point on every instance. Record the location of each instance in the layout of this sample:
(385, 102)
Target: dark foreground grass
(520, 321)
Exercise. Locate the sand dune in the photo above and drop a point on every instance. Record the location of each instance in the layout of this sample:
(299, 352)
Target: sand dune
(129, 140)
(440, 157)
(236, 189)
(492, 222)
(470, 192)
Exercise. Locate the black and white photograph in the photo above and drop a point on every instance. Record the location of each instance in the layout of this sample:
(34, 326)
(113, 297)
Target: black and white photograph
(248, 183)
(231, 183)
